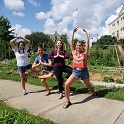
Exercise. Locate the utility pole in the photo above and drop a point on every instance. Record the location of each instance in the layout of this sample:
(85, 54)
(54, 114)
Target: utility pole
(118, 61)
(117, 58)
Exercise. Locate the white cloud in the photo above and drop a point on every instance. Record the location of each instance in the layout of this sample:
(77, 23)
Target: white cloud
(93, 15)
(49, 23)
(33, 2)
(64, 15)
(42, 15)
(18, 13)
(20, 31)
(14, 4)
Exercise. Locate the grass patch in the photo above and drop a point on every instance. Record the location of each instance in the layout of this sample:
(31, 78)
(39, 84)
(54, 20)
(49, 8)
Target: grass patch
(79, 87)
(9, 115)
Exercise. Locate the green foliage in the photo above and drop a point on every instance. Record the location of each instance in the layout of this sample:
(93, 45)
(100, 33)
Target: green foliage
(10, 115)
(5, 29)
(103, 52)
(105, 41)
(108, 79)
(64, 39)
(120, 81)
(5, 37)
(39, 38)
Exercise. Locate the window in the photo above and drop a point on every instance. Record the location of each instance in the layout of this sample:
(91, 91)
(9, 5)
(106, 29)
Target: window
(113, 24)
(118, 22)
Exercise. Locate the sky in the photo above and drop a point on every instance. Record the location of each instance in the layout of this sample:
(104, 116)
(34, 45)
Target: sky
(48, 16)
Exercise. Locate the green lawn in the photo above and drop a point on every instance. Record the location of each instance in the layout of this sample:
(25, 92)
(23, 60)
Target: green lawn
(8, 115)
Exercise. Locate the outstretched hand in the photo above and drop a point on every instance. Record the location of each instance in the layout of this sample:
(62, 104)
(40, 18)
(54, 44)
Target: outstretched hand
(75, 29)
(83, 29)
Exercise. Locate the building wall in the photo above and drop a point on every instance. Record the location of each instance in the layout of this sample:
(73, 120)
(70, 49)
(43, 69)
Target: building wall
(55, 36)
(117, 25)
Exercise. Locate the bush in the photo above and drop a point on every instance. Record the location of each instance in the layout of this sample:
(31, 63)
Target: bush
(120, 81)
(108, 79)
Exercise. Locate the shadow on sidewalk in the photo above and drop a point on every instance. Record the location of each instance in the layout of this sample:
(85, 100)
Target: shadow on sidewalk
(87, 99)
(38, 91)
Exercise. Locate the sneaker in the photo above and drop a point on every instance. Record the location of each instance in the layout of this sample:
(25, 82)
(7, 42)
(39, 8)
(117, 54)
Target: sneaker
(26, 77)
(24, 92)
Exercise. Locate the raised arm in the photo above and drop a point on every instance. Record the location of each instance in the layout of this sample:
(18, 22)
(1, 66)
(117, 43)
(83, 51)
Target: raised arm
(71, 41)
(120, 45)
(28, 41)
(12, 42)
(87, 42)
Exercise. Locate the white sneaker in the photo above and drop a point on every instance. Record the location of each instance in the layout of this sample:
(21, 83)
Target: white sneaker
(24, 92)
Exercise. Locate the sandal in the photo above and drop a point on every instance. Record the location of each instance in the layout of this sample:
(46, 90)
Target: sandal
(67, 104)
(60, 96)
(47, 94)
(93, 92)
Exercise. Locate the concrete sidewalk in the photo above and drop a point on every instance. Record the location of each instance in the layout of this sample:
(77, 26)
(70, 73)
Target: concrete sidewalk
(86, 109)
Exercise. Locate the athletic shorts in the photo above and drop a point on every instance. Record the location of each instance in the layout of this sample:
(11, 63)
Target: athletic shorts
(81, 73)
(23, 69)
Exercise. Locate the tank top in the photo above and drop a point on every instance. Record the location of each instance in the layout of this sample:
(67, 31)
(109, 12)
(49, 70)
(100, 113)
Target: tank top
(81, 64)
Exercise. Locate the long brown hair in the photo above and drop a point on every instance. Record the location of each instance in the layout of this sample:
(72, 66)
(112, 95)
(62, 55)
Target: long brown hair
(63, 46)
(19, 44)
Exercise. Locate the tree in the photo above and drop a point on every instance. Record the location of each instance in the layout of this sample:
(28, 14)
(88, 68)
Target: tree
(104, 41)
(64, 38)
(39, 38)
(103, 52)
(5, 37)
(5, 30)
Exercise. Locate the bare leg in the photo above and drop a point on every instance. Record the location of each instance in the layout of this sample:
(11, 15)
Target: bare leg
(68, 83)
(87, 83)
(22, 76)
(46, 86)
(45, 76)
(33, 70)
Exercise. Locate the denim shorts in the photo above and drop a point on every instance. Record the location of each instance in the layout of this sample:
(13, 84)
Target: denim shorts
(83, 73)
(23, 69)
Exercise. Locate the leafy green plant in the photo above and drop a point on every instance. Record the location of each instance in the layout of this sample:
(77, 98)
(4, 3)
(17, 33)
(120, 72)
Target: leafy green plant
(108, 79)
(120, 81)
(9, 115)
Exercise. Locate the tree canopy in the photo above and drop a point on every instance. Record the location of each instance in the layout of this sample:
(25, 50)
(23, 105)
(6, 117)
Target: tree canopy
(5, 37)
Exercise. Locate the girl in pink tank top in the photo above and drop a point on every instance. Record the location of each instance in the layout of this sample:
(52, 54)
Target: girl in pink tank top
(79, 66)
(81, 60)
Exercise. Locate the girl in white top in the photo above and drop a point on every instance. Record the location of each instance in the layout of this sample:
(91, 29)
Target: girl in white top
(22, 59)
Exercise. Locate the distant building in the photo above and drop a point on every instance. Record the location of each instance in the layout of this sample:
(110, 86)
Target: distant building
(55, 36)
(117, 25)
